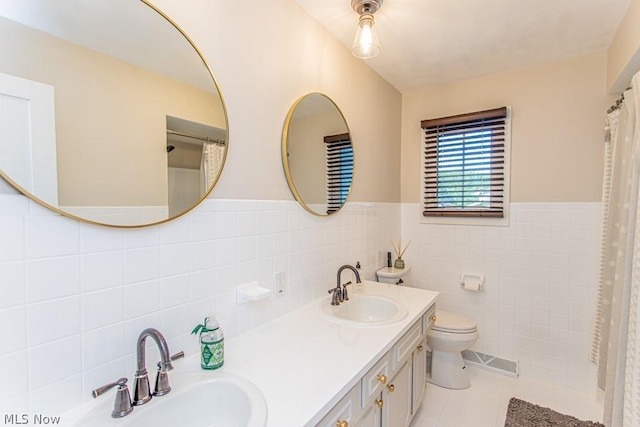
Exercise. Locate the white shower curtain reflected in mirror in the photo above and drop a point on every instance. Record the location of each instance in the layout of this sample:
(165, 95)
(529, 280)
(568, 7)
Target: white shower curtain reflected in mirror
(617, 329)
(210, 166)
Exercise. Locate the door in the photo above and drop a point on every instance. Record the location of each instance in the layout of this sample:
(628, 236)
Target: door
(27, 137)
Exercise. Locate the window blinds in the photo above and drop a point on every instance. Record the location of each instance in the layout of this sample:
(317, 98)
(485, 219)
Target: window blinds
(464, 164)
(339, 170)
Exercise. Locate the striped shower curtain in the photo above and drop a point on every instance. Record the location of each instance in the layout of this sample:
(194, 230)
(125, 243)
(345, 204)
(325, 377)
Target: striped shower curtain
(616, 347)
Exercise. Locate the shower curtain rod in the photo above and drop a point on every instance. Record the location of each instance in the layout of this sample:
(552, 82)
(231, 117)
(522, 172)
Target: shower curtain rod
(201, 138)
(618, 102)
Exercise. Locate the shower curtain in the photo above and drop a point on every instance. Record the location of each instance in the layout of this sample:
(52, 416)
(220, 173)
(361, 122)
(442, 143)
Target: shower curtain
(210, 164)
(617, 329)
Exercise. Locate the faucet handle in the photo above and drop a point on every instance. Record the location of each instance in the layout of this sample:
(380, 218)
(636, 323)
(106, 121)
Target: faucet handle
(162, 382)
(101, 390)
(166, 367)
(162, 386)
(178, 355)
(173, 358)
(122, 405)
(345, 295)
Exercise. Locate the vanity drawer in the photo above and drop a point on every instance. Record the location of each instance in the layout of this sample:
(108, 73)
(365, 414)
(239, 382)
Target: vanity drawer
(405, 345)
(374, 380)
(428, 319)
(347, 409)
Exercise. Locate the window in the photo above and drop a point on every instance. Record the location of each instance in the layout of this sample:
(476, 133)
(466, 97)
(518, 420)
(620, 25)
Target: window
(339, 170)
(465, 169)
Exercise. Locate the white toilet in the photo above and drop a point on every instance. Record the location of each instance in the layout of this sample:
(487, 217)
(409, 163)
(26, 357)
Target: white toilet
(450, 334)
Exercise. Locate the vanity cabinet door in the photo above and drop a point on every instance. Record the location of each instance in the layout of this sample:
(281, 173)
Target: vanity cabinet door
(372, 415)
(397, 397)
(419, 374)
(345, 411)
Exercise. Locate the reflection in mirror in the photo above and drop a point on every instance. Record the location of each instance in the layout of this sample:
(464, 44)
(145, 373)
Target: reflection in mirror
(195, 153)
(317, 154)
(93, 94)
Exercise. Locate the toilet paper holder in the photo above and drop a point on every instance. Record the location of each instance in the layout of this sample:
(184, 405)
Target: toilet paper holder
(472, 282)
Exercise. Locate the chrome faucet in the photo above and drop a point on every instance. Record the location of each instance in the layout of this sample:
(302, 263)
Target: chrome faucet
(141, 394)
(340, 291)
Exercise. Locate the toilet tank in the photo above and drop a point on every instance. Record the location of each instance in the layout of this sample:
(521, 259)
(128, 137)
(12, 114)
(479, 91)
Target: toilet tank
(392, 275)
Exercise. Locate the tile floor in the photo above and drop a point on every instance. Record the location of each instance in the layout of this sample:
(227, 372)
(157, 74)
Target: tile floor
(485, 403)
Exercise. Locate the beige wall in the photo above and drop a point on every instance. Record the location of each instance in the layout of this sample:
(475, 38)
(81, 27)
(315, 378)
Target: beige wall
(260, 77)
(265, 56)
(110, 118)
(558, 113)
(623, 59)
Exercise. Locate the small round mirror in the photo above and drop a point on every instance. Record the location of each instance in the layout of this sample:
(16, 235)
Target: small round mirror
(317, 154)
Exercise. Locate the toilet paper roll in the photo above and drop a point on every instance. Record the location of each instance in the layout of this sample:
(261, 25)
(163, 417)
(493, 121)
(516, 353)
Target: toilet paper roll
(472, 282)
(472, 285)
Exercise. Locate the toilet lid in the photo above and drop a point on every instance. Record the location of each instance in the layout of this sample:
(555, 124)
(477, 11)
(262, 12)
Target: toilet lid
(449, 321)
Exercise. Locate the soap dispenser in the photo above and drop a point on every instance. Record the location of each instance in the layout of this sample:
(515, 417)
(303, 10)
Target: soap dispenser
(211, 343)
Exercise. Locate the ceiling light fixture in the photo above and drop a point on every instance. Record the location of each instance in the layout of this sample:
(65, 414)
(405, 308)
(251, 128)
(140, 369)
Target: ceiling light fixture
(366, 44)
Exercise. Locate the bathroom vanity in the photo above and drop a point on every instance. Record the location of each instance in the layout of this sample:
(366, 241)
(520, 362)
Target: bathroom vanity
(311, 368)
(316, 371)
(391, 392)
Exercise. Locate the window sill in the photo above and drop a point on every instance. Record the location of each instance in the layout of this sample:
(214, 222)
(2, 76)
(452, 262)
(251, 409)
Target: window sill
(453, 220)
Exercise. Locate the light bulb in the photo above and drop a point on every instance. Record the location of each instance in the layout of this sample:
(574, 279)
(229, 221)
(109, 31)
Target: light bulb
(366, 44)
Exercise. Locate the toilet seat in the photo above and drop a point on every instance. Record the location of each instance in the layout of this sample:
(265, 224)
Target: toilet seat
(453, 323)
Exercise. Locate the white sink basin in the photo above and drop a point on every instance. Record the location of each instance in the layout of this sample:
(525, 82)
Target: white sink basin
(196, 399)
(364, 310)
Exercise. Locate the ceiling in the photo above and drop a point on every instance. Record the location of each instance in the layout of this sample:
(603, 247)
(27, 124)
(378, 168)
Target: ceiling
(433, 42)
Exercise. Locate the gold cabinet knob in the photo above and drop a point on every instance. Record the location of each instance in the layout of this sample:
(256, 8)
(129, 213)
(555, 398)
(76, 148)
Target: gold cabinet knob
(420, 348)
(342, 424)
(382, 378)
(379, 403)
(391, 388)
(433, 317)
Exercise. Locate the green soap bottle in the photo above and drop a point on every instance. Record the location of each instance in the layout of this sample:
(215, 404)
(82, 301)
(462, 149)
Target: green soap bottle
(211, 344)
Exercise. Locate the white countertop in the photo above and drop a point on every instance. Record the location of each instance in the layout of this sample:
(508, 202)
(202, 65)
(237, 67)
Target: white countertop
(304, 363)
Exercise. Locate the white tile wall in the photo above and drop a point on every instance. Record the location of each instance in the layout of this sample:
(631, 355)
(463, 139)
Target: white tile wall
(74, 297)
(68, 287)
(541, 283)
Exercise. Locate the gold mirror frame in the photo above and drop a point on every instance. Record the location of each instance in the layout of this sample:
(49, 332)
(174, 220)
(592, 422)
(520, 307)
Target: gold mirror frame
(206, 193)
(285, 152)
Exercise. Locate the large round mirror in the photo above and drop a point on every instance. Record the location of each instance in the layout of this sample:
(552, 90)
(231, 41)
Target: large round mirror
(317, 154)
(108, 111)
